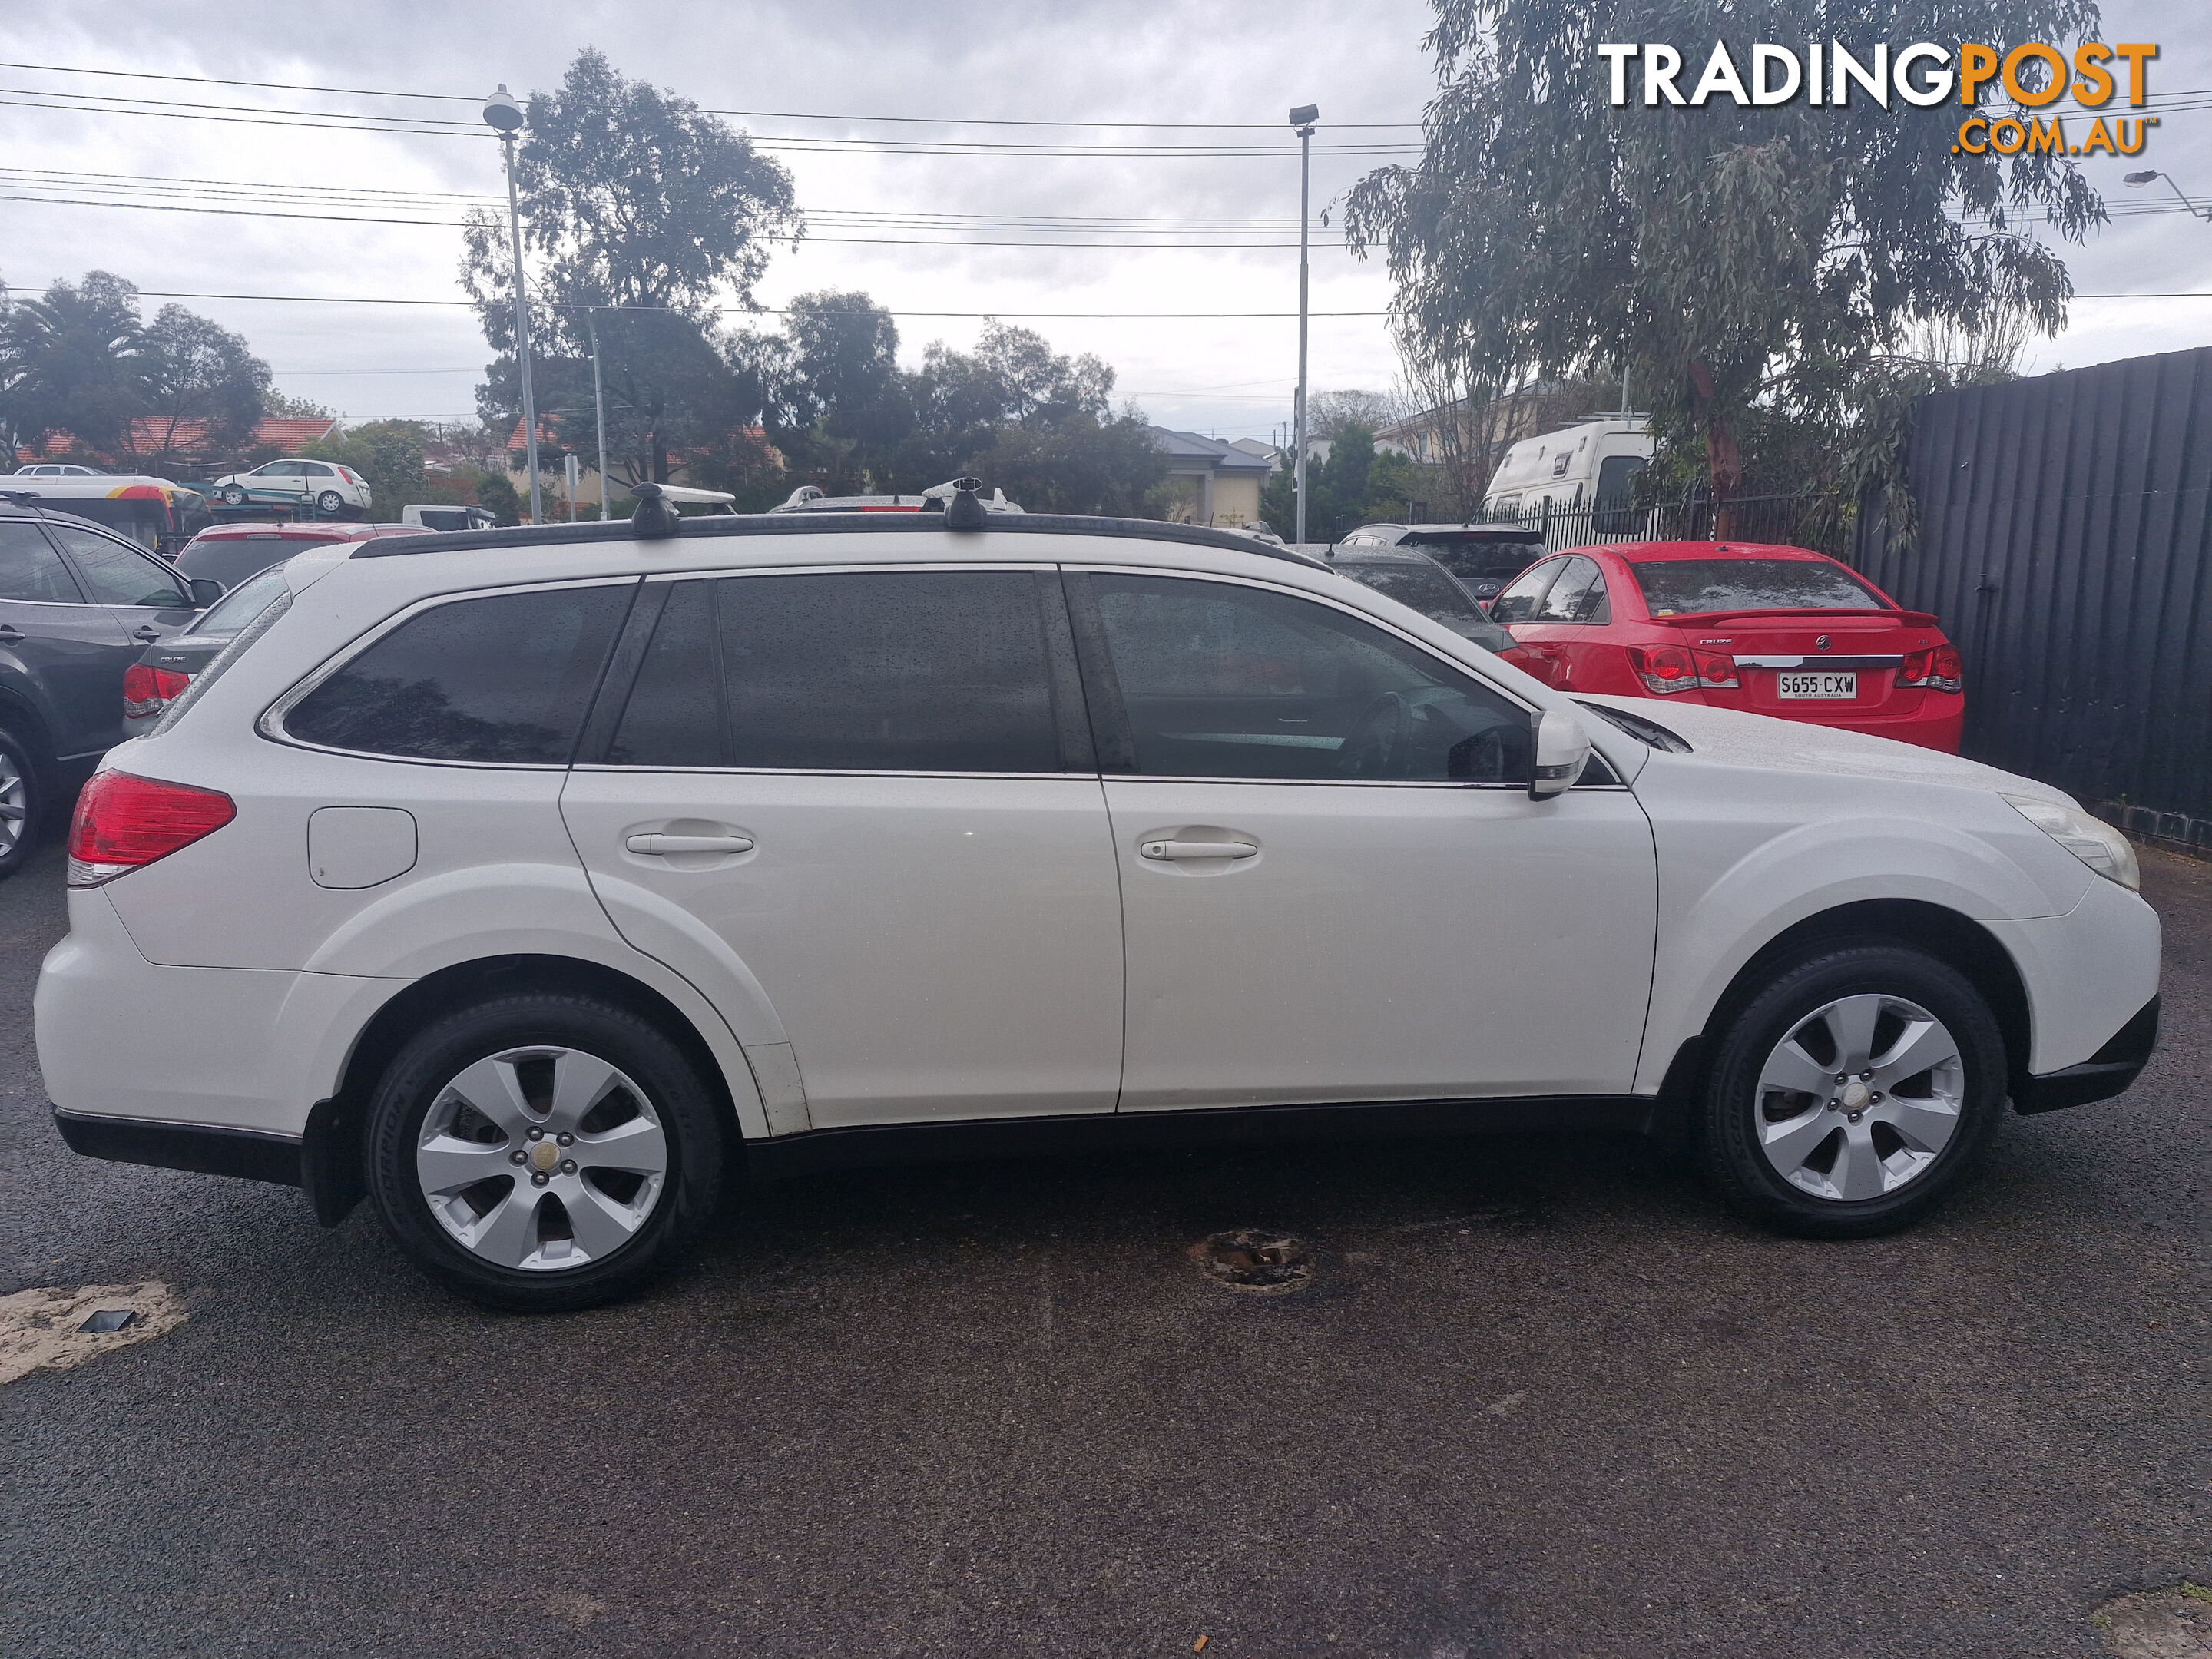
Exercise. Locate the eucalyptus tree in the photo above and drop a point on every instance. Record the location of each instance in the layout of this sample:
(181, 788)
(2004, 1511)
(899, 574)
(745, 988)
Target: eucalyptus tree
(1726, 255)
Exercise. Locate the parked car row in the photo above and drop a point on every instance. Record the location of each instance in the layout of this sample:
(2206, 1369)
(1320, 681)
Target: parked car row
(552, 864)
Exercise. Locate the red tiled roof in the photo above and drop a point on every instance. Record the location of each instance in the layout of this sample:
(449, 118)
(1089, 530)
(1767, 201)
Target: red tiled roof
(148, 435)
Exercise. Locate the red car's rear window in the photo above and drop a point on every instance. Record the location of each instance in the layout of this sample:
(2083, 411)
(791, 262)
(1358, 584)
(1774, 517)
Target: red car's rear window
(1689, 587)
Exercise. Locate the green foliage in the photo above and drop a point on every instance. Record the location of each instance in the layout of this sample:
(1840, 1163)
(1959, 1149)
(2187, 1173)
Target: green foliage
(1076, 463)
(78, 359)
(1354, 486)
(639, 208)
(494, 491)
(1731, 256)
(389, 455)
(283, 406)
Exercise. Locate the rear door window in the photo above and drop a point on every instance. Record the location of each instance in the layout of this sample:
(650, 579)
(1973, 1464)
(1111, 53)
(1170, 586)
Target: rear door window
(867, 671)
(1576, 594)
(30, 568)
(1687, 588)
(501, 679)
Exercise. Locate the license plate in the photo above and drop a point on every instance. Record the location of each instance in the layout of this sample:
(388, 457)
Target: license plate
(1819, 687)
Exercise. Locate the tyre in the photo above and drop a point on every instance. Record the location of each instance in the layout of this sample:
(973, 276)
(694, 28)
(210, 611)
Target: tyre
(233, 496)
(328, 502)
(20, 802)
(541, 1152)
(1850, 1096)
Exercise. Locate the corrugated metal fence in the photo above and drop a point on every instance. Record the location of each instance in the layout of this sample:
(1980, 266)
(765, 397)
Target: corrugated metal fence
(2064, 541)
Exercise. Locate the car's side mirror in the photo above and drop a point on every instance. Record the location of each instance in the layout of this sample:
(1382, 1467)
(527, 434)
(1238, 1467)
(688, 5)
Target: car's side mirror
(205, 592)
(1563, 749)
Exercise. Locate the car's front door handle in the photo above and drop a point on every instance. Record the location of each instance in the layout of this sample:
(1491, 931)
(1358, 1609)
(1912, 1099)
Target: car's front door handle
(9, 633)
(1197, 849)
(659, 846)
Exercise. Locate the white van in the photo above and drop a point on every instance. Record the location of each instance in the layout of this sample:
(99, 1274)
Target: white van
(1595, 460)
(440, 516)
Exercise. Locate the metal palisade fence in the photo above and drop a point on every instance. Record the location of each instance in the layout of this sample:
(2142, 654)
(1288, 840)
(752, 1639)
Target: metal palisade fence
(2064, 539)
(1788, 519)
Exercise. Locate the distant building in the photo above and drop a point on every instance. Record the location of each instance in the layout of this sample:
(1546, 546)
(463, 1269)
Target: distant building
(155, 441)
(1214, 481)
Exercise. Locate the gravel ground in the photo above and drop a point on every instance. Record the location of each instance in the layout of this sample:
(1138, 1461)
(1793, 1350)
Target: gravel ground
(1539, 1397)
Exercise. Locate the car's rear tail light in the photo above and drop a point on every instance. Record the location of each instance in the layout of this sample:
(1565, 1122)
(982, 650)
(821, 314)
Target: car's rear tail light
(123, 821)
(1935, 669)
(147, 689)
(1716, 669)
(1668, 668)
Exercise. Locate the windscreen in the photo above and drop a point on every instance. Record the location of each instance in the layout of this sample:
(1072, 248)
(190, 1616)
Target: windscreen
(1421, 586)
(1689, 587)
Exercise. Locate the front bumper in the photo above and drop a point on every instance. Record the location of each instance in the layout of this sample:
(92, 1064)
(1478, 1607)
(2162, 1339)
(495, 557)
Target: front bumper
(2111, 1071)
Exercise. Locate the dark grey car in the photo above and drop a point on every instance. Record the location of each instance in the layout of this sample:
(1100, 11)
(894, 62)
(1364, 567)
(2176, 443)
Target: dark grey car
(1484, 557)
(77, 606)
(1418, 582)
(165, 667)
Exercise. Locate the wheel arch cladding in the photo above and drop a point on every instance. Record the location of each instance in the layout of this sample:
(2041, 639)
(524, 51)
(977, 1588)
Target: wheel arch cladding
(332, 1150)
(1949, 936)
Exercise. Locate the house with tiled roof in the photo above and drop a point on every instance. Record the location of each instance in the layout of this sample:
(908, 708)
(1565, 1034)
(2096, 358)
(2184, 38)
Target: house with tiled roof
(1213, 481)
(157, 440)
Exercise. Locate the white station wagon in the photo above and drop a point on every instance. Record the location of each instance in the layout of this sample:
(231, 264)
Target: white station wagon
(512, 877)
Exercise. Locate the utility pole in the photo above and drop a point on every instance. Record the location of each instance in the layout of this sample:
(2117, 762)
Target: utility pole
(504, 116)
(599, 406)
(1303, 118)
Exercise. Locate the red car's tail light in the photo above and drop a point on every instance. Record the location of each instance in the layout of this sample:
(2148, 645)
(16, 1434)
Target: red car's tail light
(146, 689)
(123, 821)
(1716, 669)
(1664, 668)
(1935, 669)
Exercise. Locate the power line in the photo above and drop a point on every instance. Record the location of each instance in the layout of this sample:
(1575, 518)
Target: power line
(746, 115)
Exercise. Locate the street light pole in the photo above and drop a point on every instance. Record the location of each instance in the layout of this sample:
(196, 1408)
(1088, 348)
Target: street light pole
(2137, 180)
(505, 116)
(599, 406)
(1303, 118)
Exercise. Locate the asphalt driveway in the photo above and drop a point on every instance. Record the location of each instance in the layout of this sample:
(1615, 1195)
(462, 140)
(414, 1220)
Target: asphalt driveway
(1541, 1397)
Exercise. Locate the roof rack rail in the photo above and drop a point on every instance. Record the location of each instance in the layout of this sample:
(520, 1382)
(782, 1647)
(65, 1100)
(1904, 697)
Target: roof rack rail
(710, 526)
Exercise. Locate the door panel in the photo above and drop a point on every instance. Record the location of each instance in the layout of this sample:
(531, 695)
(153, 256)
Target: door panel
(933, 947)
(66, 656)
(1385, 943)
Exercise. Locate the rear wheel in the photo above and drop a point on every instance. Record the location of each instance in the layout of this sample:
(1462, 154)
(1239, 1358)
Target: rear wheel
(328, 502)
(541, 1152)
(1851, 1095)
(233, 496)
(20, 802)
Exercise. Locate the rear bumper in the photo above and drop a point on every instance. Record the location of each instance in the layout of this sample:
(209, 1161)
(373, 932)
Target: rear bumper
(2111, 1071)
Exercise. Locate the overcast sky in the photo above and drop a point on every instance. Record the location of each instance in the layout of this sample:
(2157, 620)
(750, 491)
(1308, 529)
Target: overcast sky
(1073, 61)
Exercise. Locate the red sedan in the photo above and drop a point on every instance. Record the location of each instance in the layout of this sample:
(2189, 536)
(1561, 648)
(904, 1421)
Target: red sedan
(1771, 630)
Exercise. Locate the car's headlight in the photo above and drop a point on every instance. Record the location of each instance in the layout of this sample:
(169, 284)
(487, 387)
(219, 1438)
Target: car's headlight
(2092, 841)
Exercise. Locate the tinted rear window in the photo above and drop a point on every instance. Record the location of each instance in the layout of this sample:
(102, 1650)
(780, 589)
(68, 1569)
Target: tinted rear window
(1425, 589)
(1687, 588)
(503, 678)
(1495, 561)
(906, 671)
(231, 560)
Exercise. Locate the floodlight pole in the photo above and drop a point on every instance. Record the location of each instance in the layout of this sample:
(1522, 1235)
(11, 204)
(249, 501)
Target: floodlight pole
(522, 333)
(1303, 118)
(599, 406)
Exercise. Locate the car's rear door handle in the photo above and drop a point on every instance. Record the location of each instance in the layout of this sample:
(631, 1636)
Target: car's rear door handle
(9, 633)
(659, 846)
(1197, 849)
(147, 632)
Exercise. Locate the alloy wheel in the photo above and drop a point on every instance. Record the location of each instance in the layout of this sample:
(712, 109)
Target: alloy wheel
(542, 1158)
(1860, 1097)
(14, 803)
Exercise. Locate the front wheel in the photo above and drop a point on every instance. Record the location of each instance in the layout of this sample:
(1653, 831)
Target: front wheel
(328, 502)
(1852, 1094)
(233, 496)
(543, 1152)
